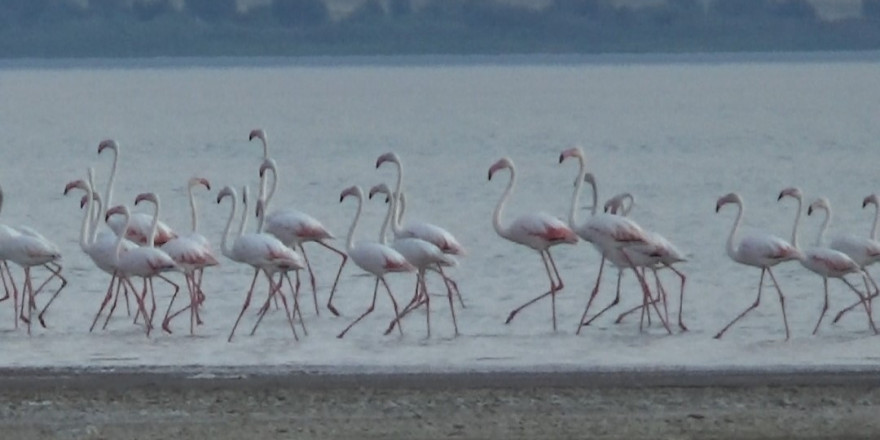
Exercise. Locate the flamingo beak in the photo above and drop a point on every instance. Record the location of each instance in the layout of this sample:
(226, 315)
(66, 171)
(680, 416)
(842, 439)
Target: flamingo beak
(810, 210)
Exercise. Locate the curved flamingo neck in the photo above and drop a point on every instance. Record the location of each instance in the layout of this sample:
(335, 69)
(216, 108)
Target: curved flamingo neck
(499, 209)
(797, 221)
(193, 210)
(87, 220)
(95, 208)
(154, 226)
(244, 205)
(821, 237)
(576, 194)
(108, 192)
(731, 239)
(392, 208)
(876, 220)
(399, 203)
(224, 242)
(121, 237)
(349, 244)
(264, 196)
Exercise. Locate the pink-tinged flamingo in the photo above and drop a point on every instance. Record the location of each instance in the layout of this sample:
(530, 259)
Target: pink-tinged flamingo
(538, 231)
(263, 252)
(193, 253)
(295, 228)
(429, 232)
(100, 248)
(421, 254)
(27, 248)
(374, 258)
(616, 238)
(140, 224)
(825, 262)
(757, 250)
(145, 262)
(863, 250)
(663, 251)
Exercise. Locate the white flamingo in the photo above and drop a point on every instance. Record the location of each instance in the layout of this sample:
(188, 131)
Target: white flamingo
(863, 250)
(421, 254)
(28, 248)
(666, 254)
(144, 262)
(373, 257)
(618, 239)
(538, 231)
(295, 228)
(823, 261)
(139, 223)
(263, 252)
(101, 248)
(193, 253)
(757, 250)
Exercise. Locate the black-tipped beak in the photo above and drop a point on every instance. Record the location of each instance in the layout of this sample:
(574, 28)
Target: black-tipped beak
(810, 210)
(561, 158)
(781, 195)
(717, 208)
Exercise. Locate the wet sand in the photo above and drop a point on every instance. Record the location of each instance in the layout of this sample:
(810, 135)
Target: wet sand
(241, 403)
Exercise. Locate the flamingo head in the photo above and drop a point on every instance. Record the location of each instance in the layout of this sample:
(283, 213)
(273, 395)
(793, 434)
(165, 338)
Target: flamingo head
(381, 188)
(791, 191)
(503, 163)
(118, 209)
(108, 143)
(81, 184)
(387, 157)
(260, 134)
(615, 204)
(226, 191)
(83, 201)
(260, 208)
(728, 198)
(148, 196)
(589, 178)
(575, 151)
(820, 203)
(871, 199)
(351, 191)
(195, 181)
(268, 164)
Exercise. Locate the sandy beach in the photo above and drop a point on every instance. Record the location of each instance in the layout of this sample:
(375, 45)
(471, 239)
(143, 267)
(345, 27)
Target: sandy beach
(238, 403)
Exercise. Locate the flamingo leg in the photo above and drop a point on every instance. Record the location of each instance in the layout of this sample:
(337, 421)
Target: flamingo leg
(140, 300)
(274, 293)
(5, 266)
(5, 285)
(551, 293)
(167, 319)
(613, 303)
(781, 302)
(107, 297)
(450, 282)
(338, 273)
(680, 297)
(311, 278)
(749, 309)
(865, 302)
(393, 303)
(592, 296)
(30, 292)
(124, 288)
(870, 297)
(247, 302)
(418, 299)
(824, 305)
(640, 307)
(296, 309)
(369, 310)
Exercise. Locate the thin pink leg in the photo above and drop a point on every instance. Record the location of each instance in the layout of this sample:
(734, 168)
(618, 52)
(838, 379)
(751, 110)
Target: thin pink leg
(369, 310)
(870, 297)
(749, 309)
(824, 305)
(865, 302)
(338, 273)
(247, 302)
(592, 296)
(552, 292)
(107, 297)
(781, 302)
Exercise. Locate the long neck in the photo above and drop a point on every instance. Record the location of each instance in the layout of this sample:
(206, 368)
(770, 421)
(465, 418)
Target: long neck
(496, 218)
(224, 243)
(797, 221)
(824, 227)
(876, 220)
(243, 226)
(194, 212)
(266, 197)
(399, 202)
(261, 218)
(731, 248)
(154, 226)
(576, 194)
(108, 192)
(95, 209)
(388, 218)
(349, 244)
(121, 237)
(87, 220)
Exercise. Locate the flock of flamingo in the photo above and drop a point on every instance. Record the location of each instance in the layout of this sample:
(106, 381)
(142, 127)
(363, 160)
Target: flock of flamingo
(141, 246)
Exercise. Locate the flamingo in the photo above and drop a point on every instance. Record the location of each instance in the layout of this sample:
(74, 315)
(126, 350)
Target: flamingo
(140, 224)
(823, 261)
(613, 236)
(864, 251)
(763, 251)
(295, 228)
(27, 248)
(374, 258)
(538, 231)
(193, 253)
(145, 262)
(421, 254)
(100, 248)
(263, 252)
(665, 252)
